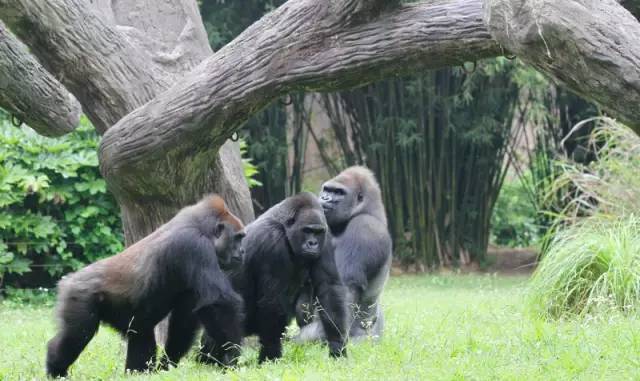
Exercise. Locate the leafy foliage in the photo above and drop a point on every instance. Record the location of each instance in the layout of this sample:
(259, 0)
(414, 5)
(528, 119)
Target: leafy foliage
(513, 222)
(55, 211)
(250, 169)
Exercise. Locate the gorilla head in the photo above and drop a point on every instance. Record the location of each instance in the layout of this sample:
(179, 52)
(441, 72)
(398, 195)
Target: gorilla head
(306, 227)
(352, 192)
(228, 234)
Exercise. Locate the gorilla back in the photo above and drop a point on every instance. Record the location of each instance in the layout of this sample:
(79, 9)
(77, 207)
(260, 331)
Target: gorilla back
(352, 204)
(285, 248)
(175, 269)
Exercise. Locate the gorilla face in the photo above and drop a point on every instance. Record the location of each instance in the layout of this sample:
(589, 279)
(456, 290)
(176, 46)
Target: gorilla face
(228, 240)
(338, 201)
(306, 233)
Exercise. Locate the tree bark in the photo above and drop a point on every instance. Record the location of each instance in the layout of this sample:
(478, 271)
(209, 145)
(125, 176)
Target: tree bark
(114, 58)
(163, 151)
(301, 45)
(591, 46)
(632, 6)
(41, 101)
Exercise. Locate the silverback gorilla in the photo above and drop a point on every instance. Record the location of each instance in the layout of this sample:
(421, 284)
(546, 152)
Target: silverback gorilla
(285, 248)
(175, 269)
(352, 204)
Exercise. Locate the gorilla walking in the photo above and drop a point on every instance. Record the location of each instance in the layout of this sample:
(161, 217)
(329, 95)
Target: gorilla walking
(352, 204)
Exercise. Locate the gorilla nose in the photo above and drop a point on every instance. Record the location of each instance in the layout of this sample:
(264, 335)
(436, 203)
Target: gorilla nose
(312, 243)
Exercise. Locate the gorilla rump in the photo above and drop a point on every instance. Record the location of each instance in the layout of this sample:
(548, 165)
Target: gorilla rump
(284, 248)
(352, 204)
(175, 269)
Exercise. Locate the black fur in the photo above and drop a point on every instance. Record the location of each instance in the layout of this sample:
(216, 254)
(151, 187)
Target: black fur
(175, 269)
(277, 267)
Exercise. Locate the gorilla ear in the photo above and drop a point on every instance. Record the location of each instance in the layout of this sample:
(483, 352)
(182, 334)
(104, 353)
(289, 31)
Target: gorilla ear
(219, 229)
(360, 197)
(290, 221)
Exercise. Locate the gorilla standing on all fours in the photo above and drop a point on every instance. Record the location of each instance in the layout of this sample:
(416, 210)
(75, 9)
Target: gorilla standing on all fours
(174, 269)
(352, 204)
(285, 248)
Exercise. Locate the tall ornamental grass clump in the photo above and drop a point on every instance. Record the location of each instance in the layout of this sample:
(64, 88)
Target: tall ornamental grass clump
(590, 267)
(592, 263)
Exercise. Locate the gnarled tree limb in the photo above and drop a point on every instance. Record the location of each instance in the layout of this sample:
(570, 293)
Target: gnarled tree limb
(29, 92)
(632, 6)
(301, 45)
(589, 45)
(115, 57)
(108, 75)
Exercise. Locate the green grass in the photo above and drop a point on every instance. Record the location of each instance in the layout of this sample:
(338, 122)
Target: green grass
(590, 268)
(438, 328)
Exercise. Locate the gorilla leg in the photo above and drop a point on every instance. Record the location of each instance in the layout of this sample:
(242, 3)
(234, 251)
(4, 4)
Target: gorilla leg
(271, 325)
(223, 334)
(141, 350)
(79, 322)
(378, 326)
(183, 325)
(368, 321)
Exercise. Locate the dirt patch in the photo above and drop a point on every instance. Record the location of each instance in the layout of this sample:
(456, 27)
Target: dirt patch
(502, 260)
(509, 260)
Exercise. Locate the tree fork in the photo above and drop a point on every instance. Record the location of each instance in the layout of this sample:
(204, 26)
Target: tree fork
(42, 102)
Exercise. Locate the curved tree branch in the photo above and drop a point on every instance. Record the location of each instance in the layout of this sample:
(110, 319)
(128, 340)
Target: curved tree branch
(115, 58)
(29, 92)
(590, 46)
(632, 6)
(108, 75)
(301, 45)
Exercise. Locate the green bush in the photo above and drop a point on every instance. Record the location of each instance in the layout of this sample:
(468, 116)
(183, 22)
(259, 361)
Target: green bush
(55, 212)
(513, 222)
(592, 266)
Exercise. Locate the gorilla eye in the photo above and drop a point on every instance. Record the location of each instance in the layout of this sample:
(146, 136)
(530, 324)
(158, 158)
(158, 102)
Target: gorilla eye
(313, 230)
(219, 230)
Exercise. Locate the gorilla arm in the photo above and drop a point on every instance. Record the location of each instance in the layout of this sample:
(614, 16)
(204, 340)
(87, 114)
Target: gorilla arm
(364, 264)
(332, 308)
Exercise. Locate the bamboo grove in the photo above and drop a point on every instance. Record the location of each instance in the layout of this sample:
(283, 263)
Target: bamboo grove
(439, 143)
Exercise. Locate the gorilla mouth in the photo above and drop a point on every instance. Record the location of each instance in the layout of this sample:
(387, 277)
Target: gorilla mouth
(311, 253)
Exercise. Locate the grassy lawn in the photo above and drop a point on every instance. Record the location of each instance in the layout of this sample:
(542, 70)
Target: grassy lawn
(437, 328)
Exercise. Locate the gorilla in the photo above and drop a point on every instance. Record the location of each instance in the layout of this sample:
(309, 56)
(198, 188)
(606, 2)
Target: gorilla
(352, 204)
(175, 269)
(285, 248)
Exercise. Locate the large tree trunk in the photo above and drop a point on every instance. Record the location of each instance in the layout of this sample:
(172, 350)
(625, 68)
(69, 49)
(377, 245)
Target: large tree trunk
(165, 129)
(117, 59)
